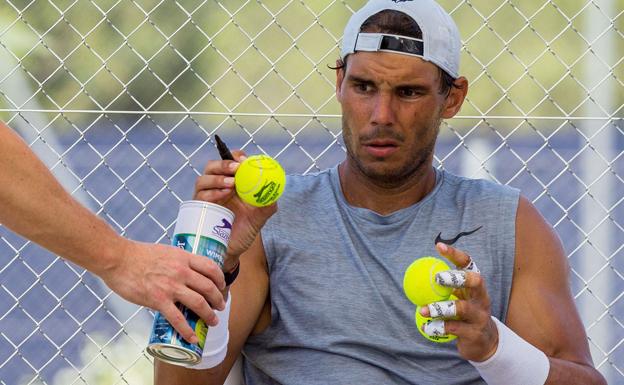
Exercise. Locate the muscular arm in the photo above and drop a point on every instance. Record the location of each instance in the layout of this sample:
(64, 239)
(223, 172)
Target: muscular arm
(248, 315)
(541, 308)
(35, 205)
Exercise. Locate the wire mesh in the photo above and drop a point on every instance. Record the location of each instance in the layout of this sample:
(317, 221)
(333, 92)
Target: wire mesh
(121, 99)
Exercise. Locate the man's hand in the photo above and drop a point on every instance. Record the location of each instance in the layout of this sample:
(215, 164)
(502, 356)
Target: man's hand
(477, 336)
(35, 205)
(158, 276)
(217, 186)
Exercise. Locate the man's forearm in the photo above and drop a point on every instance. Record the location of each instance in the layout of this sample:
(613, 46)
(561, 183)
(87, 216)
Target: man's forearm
(36, 206)
(572, 373)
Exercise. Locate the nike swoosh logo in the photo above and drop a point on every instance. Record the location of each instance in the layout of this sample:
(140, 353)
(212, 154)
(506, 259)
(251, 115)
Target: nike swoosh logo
(453, 240)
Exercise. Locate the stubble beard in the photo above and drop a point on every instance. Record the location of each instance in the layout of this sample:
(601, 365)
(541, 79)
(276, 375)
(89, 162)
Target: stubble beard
(411, 170)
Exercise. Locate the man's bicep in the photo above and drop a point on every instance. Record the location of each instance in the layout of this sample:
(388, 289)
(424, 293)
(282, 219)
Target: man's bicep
(541, 308)
(248, 294)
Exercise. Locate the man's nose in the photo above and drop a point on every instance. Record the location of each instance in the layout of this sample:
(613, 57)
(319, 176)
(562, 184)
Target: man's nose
(383, 111)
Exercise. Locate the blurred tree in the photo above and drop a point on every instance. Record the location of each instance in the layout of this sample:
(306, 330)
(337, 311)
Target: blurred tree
(522, 58)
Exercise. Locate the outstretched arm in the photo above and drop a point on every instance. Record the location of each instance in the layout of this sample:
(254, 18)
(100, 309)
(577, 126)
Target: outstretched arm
(34, 205)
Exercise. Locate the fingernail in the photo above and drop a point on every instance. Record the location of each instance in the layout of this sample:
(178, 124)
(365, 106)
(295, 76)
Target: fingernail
(443, 247)
(194, 339)
(424, 311)
(234, 165)
(229, 181)
(242, 158)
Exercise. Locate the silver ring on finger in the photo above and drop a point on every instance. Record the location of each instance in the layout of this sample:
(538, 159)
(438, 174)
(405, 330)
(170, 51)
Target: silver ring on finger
(472, 266)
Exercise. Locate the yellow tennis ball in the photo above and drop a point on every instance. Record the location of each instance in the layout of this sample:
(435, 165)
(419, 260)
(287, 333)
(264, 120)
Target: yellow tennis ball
(421, 320)
(259, 180)
(419, 282)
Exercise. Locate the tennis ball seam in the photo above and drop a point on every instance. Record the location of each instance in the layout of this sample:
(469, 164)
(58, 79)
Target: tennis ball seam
(258, 181)
(434, 285)
(427, 290)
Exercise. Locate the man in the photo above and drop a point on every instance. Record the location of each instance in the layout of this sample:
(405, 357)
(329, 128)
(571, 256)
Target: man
(319, 297)
(35, 205)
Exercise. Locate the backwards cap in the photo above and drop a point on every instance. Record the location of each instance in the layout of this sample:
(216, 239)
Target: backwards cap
(440, 43)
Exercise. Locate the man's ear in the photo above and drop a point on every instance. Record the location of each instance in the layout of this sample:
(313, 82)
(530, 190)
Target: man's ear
(340, 71)
(455, 98)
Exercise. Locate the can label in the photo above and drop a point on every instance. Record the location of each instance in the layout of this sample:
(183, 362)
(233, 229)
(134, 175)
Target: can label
(164, 333)
(207, 247)
(202, 228)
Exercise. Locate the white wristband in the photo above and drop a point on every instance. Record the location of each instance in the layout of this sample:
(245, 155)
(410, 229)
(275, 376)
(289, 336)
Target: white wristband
(217, 339)
(515, 362)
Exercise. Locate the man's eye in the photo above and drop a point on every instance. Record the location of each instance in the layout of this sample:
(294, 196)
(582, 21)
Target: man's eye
(408, 92)
(363, 87)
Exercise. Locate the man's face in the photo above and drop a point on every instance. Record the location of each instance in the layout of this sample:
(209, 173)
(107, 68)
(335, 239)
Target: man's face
(391, 114)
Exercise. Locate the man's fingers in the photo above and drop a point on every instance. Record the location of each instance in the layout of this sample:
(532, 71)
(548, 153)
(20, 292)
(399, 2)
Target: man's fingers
(239, 155)
(459, 279)
(451, 278)
(171, 312)
(205, 287)
(458, 257)
(225, 166)
(214, 188)
(476, 284)
(472, 266)
(208, 268)
(214, 196)
(469, 285)
(458, 310)
(221, 167)
(198, 304)
(461, 325)
(454, 309)
(441, 327)
(446, 309)
(214, 182)
(435, 328)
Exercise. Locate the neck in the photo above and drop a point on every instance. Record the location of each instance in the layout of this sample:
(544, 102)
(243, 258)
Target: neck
(361, 191)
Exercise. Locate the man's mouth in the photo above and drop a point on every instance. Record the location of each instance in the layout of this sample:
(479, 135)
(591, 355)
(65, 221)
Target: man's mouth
(380, 148)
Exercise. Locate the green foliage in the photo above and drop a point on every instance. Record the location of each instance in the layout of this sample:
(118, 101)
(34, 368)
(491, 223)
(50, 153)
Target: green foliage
(525, 57)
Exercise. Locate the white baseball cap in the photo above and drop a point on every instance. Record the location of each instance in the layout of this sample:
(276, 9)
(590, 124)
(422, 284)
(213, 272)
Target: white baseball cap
(440, 43)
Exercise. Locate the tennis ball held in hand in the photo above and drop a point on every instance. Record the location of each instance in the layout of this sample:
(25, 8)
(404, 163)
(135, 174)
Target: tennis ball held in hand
(421, 320)
(419, 282)
(259, 180)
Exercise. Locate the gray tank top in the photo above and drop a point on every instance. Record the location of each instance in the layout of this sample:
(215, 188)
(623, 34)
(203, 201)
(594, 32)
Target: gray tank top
(338, 312)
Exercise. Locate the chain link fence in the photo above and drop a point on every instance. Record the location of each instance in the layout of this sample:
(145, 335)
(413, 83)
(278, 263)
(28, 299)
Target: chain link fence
(121, 99)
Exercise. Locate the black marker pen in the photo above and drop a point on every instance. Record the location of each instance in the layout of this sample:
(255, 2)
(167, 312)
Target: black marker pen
(224, 151)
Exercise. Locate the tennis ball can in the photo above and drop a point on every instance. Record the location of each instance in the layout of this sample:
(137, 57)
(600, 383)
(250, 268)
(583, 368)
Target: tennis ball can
(201, 228)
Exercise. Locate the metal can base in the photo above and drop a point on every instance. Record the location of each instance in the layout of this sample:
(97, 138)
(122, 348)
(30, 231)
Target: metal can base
(173, 354)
